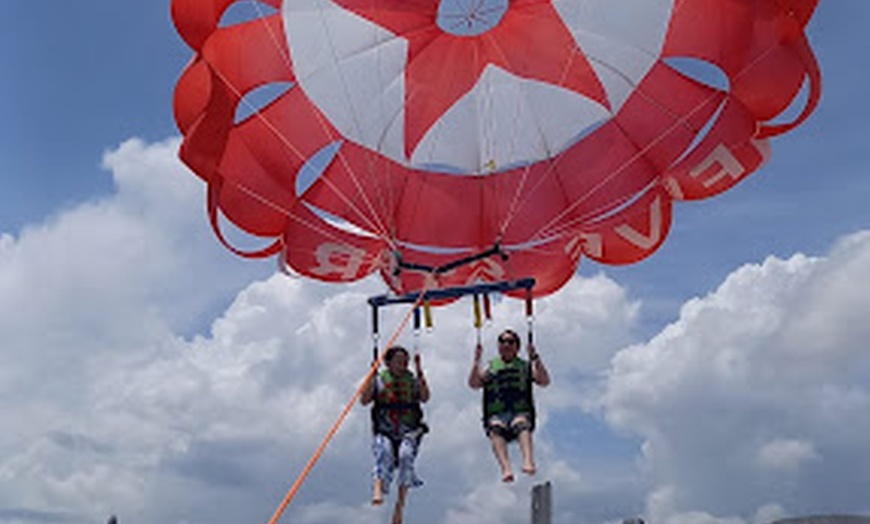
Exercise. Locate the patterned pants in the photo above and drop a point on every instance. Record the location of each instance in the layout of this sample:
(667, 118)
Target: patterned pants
(388, 462)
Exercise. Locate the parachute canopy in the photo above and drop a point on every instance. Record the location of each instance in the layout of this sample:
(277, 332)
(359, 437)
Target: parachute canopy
(384, 135)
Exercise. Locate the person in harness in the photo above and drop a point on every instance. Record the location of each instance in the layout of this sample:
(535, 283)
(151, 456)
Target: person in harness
(397, 424)
(508, 406)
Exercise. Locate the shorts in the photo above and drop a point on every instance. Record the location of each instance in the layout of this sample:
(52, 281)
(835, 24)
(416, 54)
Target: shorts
(507, 426)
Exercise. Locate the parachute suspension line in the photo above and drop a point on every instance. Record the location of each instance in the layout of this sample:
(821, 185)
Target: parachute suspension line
(517, 198)
(213, 188)
(558, 227)
(487, 145)
(275, 247)
(378, 228)
(554, 160)
(521, 189)
(488, 135)
(566, 227)
(387, 198)
(345, 90)
(381, 229)
(286, 212)
(291, 493)
(275, 39)
(814, 92)
(257, 113)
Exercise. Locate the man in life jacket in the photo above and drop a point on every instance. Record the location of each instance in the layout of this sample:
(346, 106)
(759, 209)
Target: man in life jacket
(508, 406)
(397, 424)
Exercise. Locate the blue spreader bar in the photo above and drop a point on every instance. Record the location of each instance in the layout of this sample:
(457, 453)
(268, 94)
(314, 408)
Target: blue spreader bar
(453, 292)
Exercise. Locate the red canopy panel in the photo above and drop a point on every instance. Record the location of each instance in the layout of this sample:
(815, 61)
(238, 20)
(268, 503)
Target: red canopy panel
(548, 131)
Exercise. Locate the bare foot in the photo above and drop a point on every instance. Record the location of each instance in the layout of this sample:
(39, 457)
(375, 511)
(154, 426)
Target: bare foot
(397, 518)
(507, 477)
(529, 469)
(377, 493)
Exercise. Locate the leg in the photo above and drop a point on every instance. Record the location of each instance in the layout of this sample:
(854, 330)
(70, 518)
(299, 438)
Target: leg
(407, 455)
(527, 450)
(399, 508)
(407, 477)
(520, 424)
(382, 473)
(499, 448)
(377, 492)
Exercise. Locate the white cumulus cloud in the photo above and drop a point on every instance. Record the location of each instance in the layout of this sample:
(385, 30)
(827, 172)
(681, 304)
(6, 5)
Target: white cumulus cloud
(777, 350)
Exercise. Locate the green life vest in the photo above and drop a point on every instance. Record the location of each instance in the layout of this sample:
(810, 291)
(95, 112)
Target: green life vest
(508, 388)
(397, 404)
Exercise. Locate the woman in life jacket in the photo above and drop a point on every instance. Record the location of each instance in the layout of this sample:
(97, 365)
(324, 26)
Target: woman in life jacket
(508, 406)
(397, 424)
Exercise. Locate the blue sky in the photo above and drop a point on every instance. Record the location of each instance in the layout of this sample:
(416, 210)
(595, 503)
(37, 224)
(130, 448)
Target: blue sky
(148, 372)
(79, 77)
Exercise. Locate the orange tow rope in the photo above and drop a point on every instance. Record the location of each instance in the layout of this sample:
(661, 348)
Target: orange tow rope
(334, 429)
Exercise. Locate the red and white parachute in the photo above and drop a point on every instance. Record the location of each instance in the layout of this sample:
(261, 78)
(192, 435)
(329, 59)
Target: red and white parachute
(415, 133)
